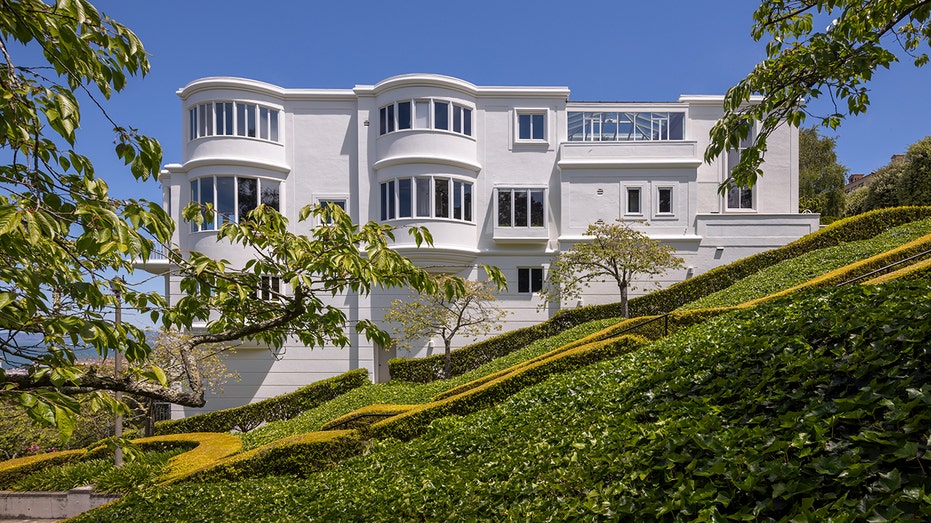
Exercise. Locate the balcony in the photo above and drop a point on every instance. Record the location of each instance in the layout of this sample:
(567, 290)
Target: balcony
(420, 146)
(620, 155)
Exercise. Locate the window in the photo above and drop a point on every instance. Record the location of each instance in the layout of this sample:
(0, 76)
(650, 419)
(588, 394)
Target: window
(426, 197)
(269, 289)
(633, 200)
(233, 119)
(521, 208)
(326, 218)
(440, 115)
(232, 197)
(531, 126)
(415, 114)
(664, 200)
(529, 279)
(739, 197)
(625, 126)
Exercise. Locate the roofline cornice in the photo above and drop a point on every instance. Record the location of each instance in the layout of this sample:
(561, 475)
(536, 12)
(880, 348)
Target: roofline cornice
(263, 88)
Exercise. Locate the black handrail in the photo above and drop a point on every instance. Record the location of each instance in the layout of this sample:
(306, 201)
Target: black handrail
(664, 317)
(887, 267)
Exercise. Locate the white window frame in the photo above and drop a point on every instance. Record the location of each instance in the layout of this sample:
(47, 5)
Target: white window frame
(627, 191)
(467, 209)
(531, 112)
(271, 288)
(203, 120)
(530, 271)
(528, 190)
(740, 191)
(732, 157)
(672, 201)
(391, 125)
(218, 219)
(324, 199)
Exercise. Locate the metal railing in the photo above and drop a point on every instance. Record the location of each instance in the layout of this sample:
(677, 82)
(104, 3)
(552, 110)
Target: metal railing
(884, 268)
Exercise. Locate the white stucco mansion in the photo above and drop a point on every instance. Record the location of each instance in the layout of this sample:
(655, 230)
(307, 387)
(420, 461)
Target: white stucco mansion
(506, 176)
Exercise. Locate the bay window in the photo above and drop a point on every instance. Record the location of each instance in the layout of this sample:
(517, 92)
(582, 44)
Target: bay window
(232, 197)
(426, 197)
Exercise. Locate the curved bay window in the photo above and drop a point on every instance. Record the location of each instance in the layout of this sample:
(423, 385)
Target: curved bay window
(426, 197)
(232, 197)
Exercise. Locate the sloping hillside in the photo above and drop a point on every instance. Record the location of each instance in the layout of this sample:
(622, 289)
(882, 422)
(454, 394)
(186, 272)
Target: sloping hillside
(603, 423)
(806, 409)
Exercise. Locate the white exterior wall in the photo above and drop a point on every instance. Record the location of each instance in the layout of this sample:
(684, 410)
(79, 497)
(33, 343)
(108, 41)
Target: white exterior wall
(329, 147)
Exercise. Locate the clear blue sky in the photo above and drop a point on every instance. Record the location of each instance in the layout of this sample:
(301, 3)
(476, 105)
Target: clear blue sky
(603, 51)
(617, 50)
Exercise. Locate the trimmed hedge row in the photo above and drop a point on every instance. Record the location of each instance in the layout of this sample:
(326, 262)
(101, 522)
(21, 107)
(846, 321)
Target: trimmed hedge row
(303, 454)
(412, 423)
(12, 470)
(365, 416)
(211, 446)
(855, 270)
(282, 407)
(649, 327)
(915, 271)
(855, 228)
(204, 448)
(297, 455)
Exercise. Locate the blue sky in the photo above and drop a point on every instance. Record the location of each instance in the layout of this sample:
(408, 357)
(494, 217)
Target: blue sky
(603, 51)
(642, 51)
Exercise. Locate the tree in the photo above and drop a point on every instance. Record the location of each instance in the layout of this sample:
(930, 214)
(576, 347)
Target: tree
(473, 313)
(883, 191)
(64, 237)
(617, 252)
(914, 187)
(855, 202)
(821, 178)
(803, 64)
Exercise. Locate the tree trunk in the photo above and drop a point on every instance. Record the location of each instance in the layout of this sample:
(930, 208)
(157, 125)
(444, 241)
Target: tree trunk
(448, 368)
(623, 288)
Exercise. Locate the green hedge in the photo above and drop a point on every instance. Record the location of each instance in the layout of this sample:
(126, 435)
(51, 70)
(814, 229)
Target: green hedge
(855, 228)
(648, 327)
(413, 422)
(303, 454)
(916, 271)
(15, 469)
(282, 407)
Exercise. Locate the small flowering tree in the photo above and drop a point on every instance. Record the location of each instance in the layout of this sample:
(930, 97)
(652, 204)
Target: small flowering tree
(616, 252)
(473, 313)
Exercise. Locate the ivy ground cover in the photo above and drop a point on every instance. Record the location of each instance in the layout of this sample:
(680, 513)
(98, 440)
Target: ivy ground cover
(795, 271)
(815, 407)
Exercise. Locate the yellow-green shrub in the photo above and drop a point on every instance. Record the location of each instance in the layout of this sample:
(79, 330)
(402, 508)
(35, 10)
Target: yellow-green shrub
(12, 470)
(297, 455)
(915, 271)
(211, 446)
(365, 416)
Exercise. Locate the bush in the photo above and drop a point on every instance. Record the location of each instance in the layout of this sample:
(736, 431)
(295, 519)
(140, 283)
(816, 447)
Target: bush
(13, 470)
(915, 271)
(305, 453)
(415, 421)
(860, 227)
(297, 456)
(798, 410)
(800, 269)
(366, 416)
(282, 407)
